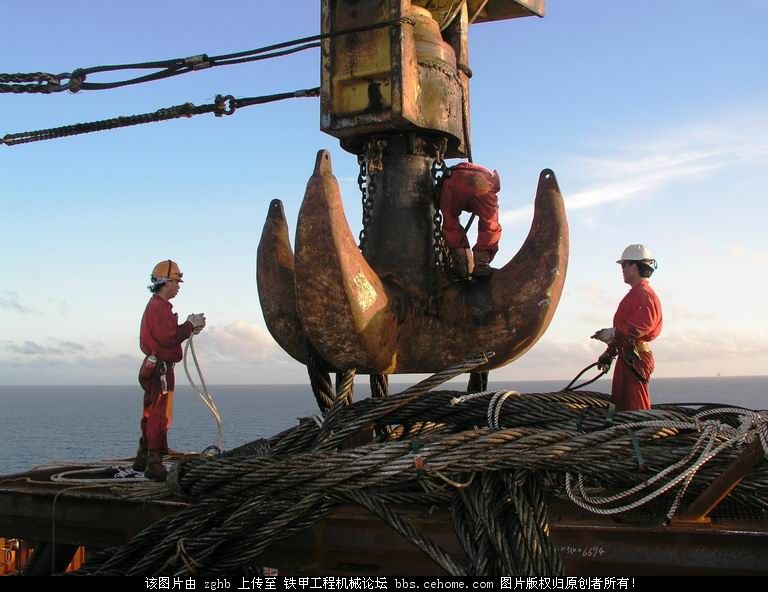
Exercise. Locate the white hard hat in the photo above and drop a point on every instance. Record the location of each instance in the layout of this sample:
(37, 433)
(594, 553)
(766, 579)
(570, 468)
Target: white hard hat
(638, 253)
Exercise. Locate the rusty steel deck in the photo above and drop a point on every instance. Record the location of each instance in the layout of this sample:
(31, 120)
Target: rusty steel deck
(352, 541)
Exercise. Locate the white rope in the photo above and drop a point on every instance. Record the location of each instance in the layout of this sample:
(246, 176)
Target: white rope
(123, 476)
(640, 486)
(710, 442)
(124, 472)
(752, 424)
(494, 407)
(458, 400)
(204, 395)
(710, 431)
(651, 495)
(57, 462)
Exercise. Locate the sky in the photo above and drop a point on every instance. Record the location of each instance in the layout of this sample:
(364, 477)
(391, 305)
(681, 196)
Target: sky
(653, 115)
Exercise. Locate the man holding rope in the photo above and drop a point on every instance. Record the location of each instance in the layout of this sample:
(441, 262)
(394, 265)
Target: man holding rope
(160, 340)
(637, 322)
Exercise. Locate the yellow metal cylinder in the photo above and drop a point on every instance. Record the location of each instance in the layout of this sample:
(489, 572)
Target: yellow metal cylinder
(429, 42)
(387, 79)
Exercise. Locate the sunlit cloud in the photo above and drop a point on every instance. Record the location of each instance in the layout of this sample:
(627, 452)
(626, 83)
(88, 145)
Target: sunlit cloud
(699, 346)
(243, 352)
(240, 342)
(620, 172)
(551, 359)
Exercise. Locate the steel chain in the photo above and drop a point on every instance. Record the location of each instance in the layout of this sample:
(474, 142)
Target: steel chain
(362, 183)
(371, 162)
(441, 255)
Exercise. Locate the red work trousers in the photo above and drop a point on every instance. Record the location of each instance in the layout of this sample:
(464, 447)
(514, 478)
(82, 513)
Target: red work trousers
(628, 392)
(471, 188)
(158, 412)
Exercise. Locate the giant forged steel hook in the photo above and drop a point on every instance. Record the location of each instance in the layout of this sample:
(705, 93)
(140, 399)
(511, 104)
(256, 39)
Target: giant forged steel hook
(327, 294)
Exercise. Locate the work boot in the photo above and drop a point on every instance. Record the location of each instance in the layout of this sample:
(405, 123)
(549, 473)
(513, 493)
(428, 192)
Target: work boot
(155, 469)
(462, 264)
(483, 263)
(141, 460)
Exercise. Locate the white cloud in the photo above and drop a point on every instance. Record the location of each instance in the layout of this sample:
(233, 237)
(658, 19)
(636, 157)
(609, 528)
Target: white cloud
(551, 360)
(699, 247)
(238, 353)
(707, 346)
(682, 312)
(596, 294)
(243, 352)
(10, 301)
(749, 255)
(643, 167)
(32, 348)
(61, 306)
(240, 342)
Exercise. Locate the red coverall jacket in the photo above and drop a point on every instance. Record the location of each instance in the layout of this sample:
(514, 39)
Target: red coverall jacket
(637, 320)
(161, 336)
(471, 188)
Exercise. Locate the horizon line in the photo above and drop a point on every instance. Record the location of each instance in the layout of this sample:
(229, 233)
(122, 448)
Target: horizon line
(454, 380)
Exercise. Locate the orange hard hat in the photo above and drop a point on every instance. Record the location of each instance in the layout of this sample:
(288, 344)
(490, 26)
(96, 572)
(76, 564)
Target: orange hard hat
(166, 270)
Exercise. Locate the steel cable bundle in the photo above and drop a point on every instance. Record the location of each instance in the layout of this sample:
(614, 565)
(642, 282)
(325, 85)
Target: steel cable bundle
(439, 450)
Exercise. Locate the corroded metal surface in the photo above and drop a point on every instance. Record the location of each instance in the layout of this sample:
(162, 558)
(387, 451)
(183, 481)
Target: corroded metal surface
(382, 80)
(482, 11)
(373, 313)
(387, 79)
(276, 283)
(335, 286)
(352, 541)
(388, 310)
(94, 517)
(507, 312)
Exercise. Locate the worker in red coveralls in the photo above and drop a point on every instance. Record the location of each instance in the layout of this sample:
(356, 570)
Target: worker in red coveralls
(636, 323)
(160, 340)
(469, 187)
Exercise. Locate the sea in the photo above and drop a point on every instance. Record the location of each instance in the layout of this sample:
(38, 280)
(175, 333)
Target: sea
(43, 424)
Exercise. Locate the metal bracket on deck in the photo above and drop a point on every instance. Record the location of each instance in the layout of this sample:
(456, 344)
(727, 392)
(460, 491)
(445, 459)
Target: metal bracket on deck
(698, 512)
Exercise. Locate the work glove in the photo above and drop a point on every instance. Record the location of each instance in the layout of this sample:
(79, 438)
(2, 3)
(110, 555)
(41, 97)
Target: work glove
(605, 335)
(604, 362)
(198, 322)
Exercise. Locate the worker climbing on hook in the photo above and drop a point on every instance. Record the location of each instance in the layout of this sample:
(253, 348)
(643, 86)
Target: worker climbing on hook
(160, 340)
(469, 187)
(637, 322)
